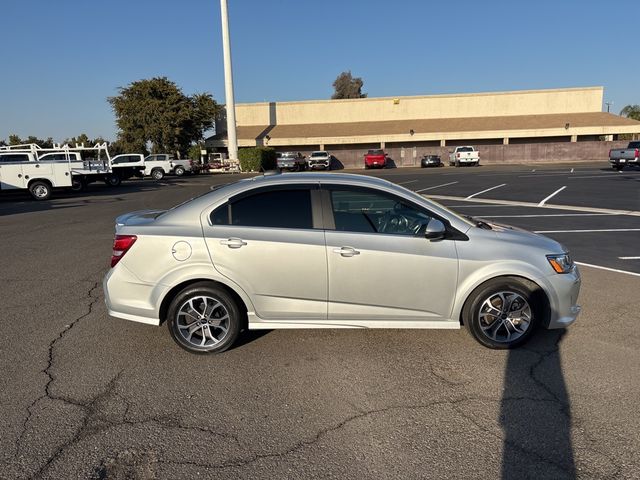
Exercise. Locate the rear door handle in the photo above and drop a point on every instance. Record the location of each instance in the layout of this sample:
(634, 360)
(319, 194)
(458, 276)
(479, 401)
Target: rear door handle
(346, 251)
(233, 242)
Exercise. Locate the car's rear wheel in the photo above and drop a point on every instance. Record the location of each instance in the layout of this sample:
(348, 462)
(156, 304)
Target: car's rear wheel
(504, 312)
(78, 184)
(203, 318)
(112, 180)
(179, 171)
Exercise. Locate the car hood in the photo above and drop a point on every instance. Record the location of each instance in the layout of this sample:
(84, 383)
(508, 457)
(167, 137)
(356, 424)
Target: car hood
(520, 236)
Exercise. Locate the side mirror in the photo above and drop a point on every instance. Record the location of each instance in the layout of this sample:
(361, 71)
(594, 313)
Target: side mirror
(435, 230)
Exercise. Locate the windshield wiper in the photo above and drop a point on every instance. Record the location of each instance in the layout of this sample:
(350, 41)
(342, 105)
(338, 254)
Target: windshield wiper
(478, 223)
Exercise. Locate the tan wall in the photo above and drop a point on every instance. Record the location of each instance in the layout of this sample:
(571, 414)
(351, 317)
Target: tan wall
(526, 102)
(556, 152)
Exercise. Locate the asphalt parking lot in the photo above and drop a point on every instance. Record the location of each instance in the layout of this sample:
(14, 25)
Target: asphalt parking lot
(88, 396)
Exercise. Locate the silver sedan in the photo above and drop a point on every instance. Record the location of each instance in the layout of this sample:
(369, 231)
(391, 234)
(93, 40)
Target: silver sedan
(333, 251)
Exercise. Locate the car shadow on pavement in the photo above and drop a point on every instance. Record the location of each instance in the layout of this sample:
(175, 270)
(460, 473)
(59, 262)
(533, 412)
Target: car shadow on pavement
(16, 202)
(535, 412)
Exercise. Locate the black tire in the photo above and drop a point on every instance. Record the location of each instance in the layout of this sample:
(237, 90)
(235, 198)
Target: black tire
(179, 171)
(157, 174)
(489, 291)
(180, 324)
(78, 184)
(40, 190)
(457, 164)
(113, 180)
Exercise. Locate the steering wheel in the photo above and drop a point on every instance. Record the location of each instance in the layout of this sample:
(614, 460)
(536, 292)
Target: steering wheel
(393, 223)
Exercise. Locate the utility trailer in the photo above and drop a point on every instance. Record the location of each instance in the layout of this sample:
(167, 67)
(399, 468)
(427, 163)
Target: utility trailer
(40, 170)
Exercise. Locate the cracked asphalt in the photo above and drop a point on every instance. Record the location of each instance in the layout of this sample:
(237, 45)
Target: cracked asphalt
(88, 396)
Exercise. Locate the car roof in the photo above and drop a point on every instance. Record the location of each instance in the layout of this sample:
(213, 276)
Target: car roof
(187, 212)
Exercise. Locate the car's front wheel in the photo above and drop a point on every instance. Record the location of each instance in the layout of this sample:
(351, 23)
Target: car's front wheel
(504, 312)
(157, 174)
(204, 318)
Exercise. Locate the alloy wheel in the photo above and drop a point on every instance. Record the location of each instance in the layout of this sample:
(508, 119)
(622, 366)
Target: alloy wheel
(505, 316)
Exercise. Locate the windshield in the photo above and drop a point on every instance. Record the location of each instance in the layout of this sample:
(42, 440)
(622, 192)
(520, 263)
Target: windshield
(319, 154)
(376, 152)
(288, 155)
(465, 149)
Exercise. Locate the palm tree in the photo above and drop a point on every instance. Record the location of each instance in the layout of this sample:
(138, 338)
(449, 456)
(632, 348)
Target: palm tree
(631, 111)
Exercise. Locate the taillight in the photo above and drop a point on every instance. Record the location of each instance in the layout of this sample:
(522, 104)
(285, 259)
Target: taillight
(609, 153)
(121, 245)
(637, 152)
(457, 155)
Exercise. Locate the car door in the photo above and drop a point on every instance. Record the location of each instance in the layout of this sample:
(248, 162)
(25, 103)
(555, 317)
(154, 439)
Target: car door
(381, 266)
(270, 242)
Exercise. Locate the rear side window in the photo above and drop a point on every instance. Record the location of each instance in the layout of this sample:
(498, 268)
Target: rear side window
(14, 157)
(272, 209)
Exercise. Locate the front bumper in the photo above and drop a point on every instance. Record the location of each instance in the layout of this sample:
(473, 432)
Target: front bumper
(563, 290)
(323, 164)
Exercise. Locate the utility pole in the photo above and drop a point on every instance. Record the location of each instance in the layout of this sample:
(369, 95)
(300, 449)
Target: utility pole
(232, 139)
(608, 104)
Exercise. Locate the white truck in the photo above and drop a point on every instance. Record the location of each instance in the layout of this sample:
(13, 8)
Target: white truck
(40, 170)
(155, 166)
(464, 156)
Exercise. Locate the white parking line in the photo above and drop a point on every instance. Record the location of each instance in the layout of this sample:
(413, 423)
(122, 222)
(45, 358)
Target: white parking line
(437, 186)
(605, 175)
(487, 190)
(608, 269)
(512, 203)
(551, 196)
(590, 231)
(629, 258)
(550, 215)
(408, 181)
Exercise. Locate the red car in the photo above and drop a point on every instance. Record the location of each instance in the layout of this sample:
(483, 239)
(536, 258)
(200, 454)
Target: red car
(375, 159)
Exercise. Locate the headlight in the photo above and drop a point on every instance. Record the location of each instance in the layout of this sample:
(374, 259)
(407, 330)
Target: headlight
(561, 263)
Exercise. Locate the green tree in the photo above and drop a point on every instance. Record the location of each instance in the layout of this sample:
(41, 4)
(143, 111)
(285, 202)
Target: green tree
(15, 140)
(631, 111)
(347, 86)
(156, 113)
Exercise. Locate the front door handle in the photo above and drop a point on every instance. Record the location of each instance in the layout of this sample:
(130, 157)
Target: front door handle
(346, 251)
(233, 242)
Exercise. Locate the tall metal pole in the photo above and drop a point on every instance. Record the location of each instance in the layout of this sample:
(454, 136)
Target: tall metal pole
(228, 84)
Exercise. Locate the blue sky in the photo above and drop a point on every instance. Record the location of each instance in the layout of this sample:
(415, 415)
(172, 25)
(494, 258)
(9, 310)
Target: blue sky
(62, 59)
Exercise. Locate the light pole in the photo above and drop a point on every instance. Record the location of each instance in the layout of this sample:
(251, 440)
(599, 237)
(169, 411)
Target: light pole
(232, 140)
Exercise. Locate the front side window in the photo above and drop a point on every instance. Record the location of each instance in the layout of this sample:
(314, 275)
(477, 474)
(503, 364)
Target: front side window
(368, 211)
(271, 209)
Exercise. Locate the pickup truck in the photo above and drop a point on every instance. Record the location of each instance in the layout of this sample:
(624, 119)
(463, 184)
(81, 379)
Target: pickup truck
(464, 156)
(319, 159)
(375, 158)
(155, 166)
(291, 161)
(619, 157)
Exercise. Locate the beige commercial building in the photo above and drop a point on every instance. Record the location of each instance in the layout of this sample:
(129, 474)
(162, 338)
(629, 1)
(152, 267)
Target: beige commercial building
(409, 127)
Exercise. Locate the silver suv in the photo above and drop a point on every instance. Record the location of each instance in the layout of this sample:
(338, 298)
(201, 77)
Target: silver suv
(328, 251)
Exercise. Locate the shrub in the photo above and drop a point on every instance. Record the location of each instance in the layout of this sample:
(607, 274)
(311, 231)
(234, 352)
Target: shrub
(257, 159)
